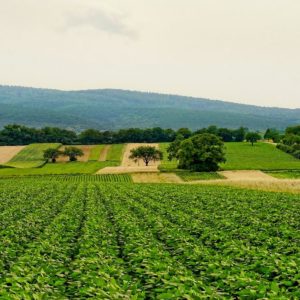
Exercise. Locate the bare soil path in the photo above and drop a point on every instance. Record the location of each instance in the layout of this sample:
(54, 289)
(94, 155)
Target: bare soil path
(247, 175)
(130, 166)
(104, 152)
(156, 178)
(8, 152)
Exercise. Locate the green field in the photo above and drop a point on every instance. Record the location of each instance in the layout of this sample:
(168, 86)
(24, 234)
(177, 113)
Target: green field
(191, 176)
(243, 156)
(70, 240)
(261, 156)
(166, 165)
(59, 168)
(95, 152)
(31, 156)
(115, 153)
(286, 174)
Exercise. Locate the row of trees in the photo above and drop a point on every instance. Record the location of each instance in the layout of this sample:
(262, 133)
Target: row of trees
(290, 142)
(21, 135)
(53, 153)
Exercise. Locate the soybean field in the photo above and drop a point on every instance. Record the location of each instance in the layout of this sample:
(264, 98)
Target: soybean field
(77, 240)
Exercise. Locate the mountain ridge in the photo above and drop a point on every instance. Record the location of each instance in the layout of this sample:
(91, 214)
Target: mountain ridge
(110, 109)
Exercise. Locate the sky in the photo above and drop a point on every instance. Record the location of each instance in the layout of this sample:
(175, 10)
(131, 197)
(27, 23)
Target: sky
(245, 51)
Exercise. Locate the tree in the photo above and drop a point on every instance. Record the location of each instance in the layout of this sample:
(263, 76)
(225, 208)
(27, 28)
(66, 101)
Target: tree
(202, 152)
(146, 153)
(174, 147)
(252, 137)
(52, 153)
(272, 134)
(73, 153)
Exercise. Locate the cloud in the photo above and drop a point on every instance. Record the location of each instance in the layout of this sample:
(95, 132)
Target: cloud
(98, 19)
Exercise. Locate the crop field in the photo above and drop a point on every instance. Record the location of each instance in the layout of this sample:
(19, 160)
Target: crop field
(95, 152)
(261, 156)
(286, 174)
(31, 156)
(89, 167)
(115, 153)
(65, 240)
(191, 176)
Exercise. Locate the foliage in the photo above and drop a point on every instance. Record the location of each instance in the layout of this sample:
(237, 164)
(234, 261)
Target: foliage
(146, 153)
(166, 164)
(202, 152)
(293, 130)
(64, 240)
(73, 153)
(262, 156)
(52, 154)
(291, 141)
(272, 134)
(252, 137)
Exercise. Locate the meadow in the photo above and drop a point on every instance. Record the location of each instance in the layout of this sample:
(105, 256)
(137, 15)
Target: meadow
(31, 156)
(70, 240)
(261, 156)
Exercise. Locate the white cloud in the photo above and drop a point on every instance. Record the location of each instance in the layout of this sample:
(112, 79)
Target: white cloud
(99, 19)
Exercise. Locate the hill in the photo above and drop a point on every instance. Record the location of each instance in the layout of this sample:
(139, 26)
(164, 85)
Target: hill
(115, 109)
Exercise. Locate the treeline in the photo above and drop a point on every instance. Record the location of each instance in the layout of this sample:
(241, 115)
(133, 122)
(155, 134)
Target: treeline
(22, 135)
(290, 142)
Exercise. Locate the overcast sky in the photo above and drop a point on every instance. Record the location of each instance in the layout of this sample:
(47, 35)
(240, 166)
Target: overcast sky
(244, 51)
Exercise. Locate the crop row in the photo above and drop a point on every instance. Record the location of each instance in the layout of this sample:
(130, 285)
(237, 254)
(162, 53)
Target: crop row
(61, 240)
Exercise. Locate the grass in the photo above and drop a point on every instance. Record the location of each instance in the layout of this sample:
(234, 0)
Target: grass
(31, 156)
(59, 168)
(261, 156)
(191, 176)
(286, 174)
(115, 153)
(166, 165)
(95, 152)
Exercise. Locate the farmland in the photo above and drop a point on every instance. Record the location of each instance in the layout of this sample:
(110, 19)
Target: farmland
(64, 240)
(31, 156)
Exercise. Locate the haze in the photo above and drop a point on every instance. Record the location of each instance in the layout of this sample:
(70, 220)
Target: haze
(242, 51)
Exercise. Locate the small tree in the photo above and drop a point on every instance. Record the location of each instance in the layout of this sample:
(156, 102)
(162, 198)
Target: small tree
(252, 137)
(73, 153)
(52, 153)
(146, 153)
(202, 152)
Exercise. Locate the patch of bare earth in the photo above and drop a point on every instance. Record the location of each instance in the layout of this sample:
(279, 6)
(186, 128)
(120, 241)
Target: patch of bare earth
(247, 175)
(156, 178)
(86, 153)
(104, 153)
(130, 166)
(8, 152)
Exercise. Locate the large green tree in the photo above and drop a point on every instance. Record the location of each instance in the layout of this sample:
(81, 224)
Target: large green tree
(146, 153)
(252, 137)
(52, 154)
(201, 152)
(73, 153)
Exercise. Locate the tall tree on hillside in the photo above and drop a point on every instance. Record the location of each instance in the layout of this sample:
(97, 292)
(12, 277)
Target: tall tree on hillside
(252, 137)
(73, 153)
(52, 154)
(146, 153)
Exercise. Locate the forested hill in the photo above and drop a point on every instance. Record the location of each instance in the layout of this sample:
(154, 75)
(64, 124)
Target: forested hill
(115, 109)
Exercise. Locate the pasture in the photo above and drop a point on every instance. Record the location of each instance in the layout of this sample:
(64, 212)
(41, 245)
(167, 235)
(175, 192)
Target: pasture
(70, 240)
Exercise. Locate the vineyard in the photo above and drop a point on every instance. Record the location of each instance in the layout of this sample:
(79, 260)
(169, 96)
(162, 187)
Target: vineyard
(64, 240)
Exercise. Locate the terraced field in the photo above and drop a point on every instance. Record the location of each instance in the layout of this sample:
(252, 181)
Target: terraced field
(31, 156)
(64, 240)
